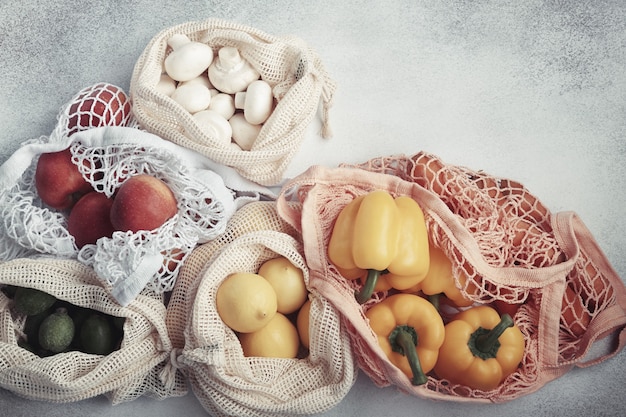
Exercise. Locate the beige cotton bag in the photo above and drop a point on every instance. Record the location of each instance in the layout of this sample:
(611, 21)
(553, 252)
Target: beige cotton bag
(133, 370)
(497, 235)
(291, 67)
(209, 353)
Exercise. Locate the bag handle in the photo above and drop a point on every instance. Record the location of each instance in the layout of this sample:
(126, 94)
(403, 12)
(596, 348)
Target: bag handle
(607, 323)
(572, 232)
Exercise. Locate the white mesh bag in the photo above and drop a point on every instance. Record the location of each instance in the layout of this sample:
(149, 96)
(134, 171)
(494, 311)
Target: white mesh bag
(127, 263)
(294, 71)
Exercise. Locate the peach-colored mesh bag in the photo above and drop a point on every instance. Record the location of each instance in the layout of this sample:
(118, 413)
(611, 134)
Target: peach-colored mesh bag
(133, 370)
(500, 237)
(209, 353)
(295, 72)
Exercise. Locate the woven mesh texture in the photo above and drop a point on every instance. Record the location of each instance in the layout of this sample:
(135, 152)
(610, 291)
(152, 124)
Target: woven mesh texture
(294, 71)
(129, 372)
(204, 207)
(101, 104)
(225, 381)
(503, 244)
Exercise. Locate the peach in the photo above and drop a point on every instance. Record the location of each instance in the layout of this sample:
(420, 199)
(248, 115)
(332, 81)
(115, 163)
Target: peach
(58, 181)
(102, 104)
(89, 219)
(142, 202)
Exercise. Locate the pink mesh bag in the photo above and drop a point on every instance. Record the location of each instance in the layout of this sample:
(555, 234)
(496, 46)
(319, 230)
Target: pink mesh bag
(499, 236)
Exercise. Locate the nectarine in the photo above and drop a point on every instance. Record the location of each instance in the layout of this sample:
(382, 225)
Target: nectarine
(58, 181)
(142, 202)
(101, 104)
(89, 219)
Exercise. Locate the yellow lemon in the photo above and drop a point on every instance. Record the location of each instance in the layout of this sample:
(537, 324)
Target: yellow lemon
(245, 302)
(302, 323)
(288, 282)
(277, 339)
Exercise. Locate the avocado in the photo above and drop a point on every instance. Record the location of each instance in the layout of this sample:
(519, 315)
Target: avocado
(78, 315)
(9, 290)
(30, 301)
(96, 335)
(32, 324)
(56, 331)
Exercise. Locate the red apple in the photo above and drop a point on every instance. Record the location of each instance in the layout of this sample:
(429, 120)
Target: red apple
(102, 104)
(58, 181)
(142, 202)
(89, 220)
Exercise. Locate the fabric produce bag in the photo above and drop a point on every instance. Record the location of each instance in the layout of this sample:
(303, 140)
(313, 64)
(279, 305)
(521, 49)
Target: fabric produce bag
(294, 71)
(133, 369)
(209, 353)
(207, 194)
(504, 245)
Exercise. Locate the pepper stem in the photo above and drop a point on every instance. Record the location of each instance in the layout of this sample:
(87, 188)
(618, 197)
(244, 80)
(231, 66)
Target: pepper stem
(484, 343)
(434, 299)
(368, 287)
(403, 340)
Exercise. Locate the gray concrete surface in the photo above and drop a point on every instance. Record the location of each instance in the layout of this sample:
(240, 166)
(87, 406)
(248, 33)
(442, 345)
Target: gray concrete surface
(530, 90)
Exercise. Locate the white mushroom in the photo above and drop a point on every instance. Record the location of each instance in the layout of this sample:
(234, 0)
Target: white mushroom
(166, 85)
(256, 102)
(213, 124)
(202, 79)
(224, 104)
(230, 72)
(188, 59)
(244, 134)
(193, 98)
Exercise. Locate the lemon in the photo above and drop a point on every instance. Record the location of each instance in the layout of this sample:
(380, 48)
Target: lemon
(302, 323)
(245, 302)
(277, 339)
(288, 282)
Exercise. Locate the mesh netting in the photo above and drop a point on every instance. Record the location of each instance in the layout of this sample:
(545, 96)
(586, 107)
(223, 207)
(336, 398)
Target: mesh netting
(252, 217)
(27, 226)
(209, 353)
(127, 262)
(131, 371)
(503, 244)
(294, 71)
(98, 105)
(201, 216)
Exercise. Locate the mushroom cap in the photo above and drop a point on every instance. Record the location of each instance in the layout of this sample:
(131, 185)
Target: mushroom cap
(188, 61)
(214, 125)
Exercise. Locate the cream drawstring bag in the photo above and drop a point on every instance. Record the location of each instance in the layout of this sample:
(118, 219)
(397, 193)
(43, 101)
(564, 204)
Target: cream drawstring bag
(500, 237)
(226, 382)
(293, 70)
(131, 371)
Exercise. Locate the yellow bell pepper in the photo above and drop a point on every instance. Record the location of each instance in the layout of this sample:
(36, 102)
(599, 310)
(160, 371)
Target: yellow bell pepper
(410, 332)
(440, 280)
(481, 348)
(380, 234)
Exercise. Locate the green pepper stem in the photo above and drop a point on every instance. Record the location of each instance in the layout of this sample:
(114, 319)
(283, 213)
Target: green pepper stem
(486, 341)
(434, 299)
(403, 340)
(368, 287)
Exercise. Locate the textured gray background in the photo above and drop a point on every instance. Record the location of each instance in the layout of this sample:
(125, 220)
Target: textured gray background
(530, 90)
